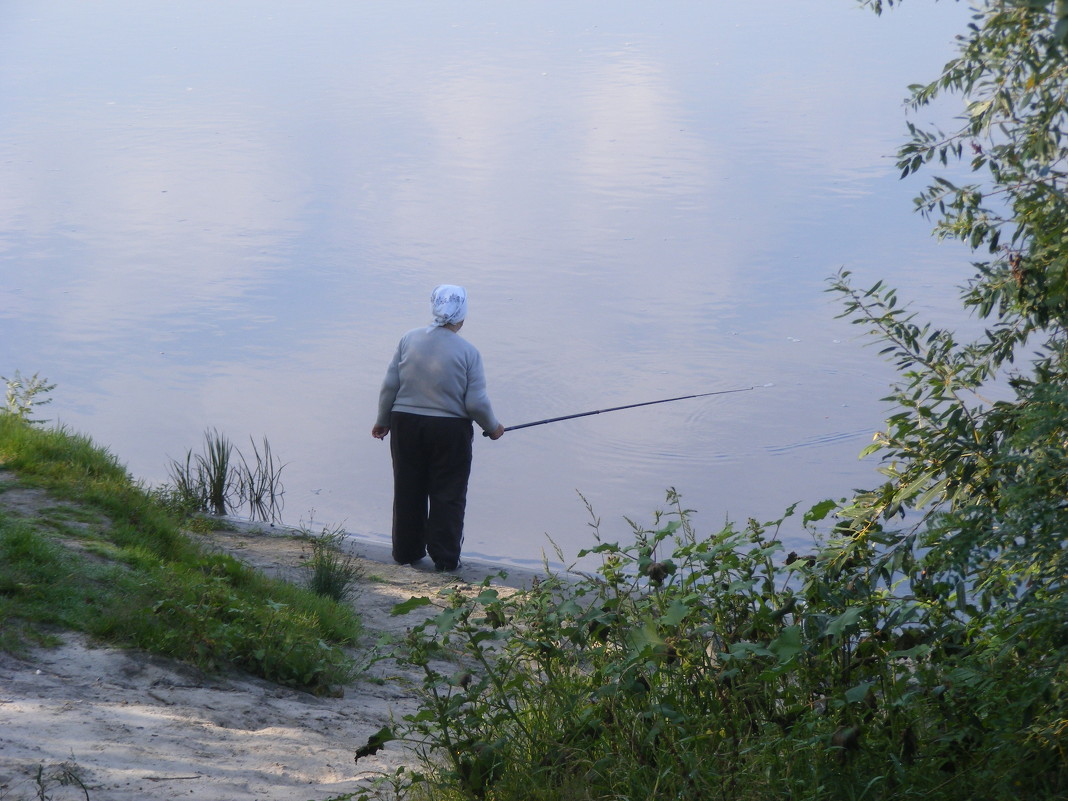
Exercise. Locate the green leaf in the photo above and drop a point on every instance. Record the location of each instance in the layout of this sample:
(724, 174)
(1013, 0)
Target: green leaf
(787, 645)
(819, 511)
(915, 651)
(740, 650)
(857, 694)
(846, 620)
(405, 607)
(645, 636)
(926, 497)
(488, 595)
(375, 743)
(447, 619)
(676, 613)
(870, 449)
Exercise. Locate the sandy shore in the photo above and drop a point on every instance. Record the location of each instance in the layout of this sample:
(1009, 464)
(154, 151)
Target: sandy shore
(140, 728)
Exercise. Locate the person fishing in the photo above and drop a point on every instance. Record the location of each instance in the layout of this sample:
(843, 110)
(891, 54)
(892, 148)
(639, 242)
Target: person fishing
(434, 387)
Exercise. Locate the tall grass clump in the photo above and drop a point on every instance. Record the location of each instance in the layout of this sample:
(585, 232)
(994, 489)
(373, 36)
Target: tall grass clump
(206, 480)
(220, 480)
(332, 571)
(722, 667)
(260, 483)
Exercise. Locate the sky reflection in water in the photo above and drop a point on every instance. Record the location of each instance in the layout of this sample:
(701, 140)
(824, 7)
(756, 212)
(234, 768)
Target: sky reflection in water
(225, 215)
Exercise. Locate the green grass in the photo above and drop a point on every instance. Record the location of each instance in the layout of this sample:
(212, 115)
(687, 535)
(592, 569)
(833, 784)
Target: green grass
(108, 558)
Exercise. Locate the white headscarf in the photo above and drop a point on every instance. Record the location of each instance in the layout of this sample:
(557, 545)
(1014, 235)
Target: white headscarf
(448, 303)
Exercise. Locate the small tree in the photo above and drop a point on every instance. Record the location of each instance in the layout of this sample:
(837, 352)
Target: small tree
(983, 483)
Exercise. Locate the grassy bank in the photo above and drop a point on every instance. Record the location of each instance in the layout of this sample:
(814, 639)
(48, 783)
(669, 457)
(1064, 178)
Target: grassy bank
(88, 549)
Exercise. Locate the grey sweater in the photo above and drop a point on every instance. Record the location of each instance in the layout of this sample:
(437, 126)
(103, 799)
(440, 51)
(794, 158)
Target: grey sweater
(437, 373)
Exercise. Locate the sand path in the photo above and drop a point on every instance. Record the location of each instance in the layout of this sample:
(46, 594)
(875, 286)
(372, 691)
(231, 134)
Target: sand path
(141, 728)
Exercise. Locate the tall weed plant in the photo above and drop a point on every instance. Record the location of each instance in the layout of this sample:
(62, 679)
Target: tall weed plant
(23, 395)
(722, 667)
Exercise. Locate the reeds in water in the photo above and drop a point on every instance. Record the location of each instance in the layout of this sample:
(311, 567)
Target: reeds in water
(222, 481)
(261, 484)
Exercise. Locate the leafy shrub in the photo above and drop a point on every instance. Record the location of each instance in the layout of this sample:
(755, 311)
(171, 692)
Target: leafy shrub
(721, 667)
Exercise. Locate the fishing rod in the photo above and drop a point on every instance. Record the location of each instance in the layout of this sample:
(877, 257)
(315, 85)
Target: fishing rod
(618, 408)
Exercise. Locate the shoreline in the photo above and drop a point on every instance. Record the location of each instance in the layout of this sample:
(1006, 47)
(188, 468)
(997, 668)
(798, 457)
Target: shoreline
(134, 726)
(472, 570)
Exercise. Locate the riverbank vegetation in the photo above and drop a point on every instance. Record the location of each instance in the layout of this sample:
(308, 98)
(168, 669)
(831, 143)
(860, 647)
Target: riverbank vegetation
(703, 667)
(110, 558)
(920, 649)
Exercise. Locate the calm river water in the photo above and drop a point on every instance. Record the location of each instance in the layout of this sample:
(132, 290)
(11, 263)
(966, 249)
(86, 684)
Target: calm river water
(224, 214)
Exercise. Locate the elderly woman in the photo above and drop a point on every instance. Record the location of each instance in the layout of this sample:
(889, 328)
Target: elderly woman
(434, 387)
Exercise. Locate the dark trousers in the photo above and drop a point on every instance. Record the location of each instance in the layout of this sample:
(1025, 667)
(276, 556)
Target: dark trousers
(431, 466)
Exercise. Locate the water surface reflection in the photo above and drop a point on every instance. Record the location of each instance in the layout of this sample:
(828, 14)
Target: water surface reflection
(224, 215)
